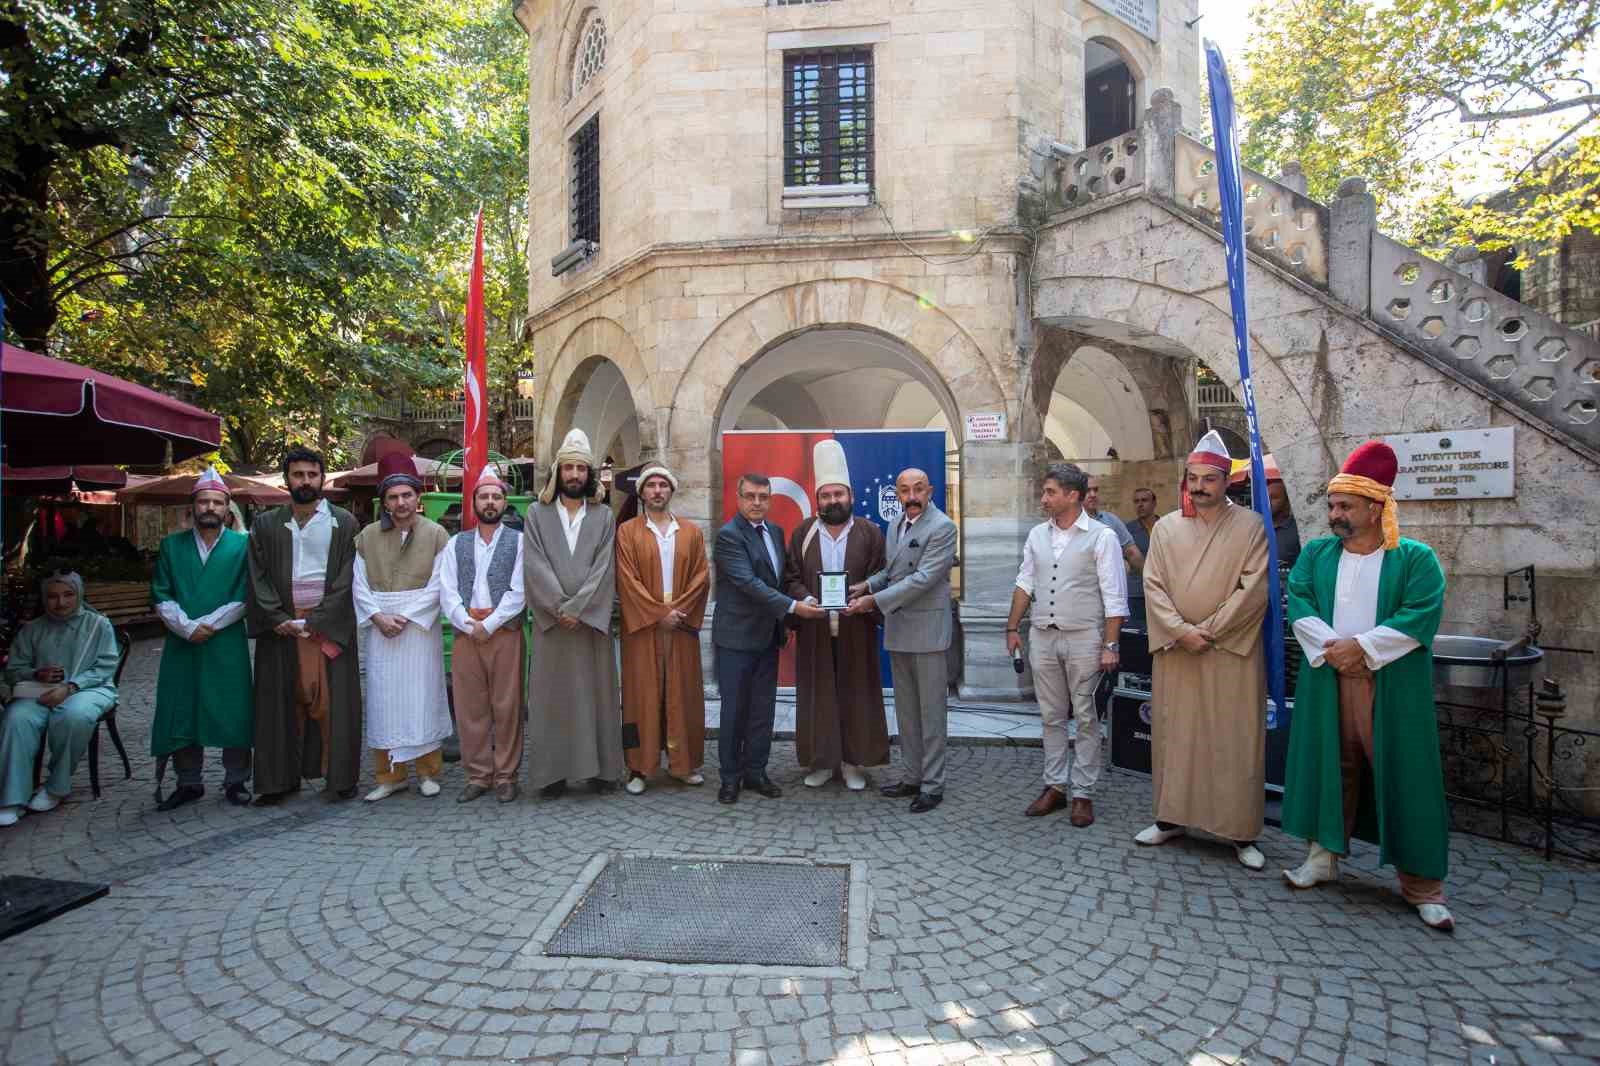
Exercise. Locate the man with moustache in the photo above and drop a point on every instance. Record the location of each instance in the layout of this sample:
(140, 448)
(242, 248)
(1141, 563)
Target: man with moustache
(203, 696)
(481, 593)
(1072, 574)
(912, 592)
(1144, 520)
(839, 722)
(569, 577)
(1205, 586)
(1364, 746)
(663, 582)
(301, 613)
(747, 630)
(402, 639)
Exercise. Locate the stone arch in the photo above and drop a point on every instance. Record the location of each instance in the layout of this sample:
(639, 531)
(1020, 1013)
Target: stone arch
(593, 341)
(1139, 65)
(560, 73)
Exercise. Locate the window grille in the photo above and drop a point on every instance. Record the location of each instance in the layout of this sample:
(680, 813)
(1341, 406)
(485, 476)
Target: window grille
(827, 117)
(590, 55)
(584, 201)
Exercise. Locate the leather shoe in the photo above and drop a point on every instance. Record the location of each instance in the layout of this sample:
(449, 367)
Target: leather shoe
(505, 791)
(181, 795)
(471, 792)
(346, 793)
(1051, 799)
(1082, 813)
(553, 789)
(729, 792)
(764, 786)
(270, 799)
(926, 801)
(238, 795)
(899, 791)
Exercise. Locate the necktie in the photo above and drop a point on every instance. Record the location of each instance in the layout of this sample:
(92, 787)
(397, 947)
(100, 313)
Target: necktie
(766, 542)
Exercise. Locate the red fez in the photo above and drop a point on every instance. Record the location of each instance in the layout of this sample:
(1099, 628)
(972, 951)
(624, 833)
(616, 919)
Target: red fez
(1374, 460)
(397, 468)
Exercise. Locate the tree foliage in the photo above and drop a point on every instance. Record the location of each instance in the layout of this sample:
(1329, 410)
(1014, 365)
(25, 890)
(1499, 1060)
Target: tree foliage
(1413, 95)
(263, 205)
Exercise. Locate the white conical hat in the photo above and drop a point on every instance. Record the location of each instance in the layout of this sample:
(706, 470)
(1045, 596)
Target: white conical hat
(210, 481)
(829, 464)
(1211, 451)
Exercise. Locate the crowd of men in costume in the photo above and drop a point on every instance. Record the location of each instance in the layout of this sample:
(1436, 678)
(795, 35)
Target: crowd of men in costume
(327, 601)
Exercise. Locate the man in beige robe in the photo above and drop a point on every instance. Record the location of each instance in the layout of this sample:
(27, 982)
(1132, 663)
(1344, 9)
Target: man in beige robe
(1206, 593)
(662, 584)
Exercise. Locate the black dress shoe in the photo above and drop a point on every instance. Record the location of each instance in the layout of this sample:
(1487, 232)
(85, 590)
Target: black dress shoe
(729, 792)
(238, 795)
(346, 793)
(900, 791)
(926, 801)
(764, 786)
(601, 786)
(553, 790)
(181, 795)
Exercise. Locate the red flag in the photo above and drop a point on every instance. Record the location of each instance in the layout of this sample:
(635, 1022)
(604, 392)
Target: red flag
(476, 424)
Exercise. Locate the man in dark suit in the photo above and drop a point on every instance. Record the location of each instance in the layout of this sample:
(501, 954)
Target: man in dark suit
(747, 629)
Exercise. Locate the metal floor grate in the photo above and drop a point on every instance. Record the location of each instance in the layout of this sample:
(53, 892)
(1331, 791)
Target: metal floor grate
(700, 911)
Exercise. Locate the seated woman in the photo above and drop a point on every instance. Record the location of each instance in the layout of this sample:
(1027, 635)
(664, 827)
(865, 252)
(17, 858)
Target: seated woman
(61, 671)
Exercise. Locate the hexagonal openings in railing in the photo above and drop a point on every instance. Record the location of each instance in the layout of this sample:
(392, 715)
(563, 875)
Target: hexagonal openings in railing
(1107, 154)
(1540, 388)
(1399, 308)
(1070, 194)
(1441, 292)
(1513, 329)
(1466, 346)
(1408, 273)
(1589, 372)
(1432, 327)
(1475, 309)
(1581, 412)
(1551, 350)
(1200, 201)
(1206, 168)
(1501, 367)
(1130, 146)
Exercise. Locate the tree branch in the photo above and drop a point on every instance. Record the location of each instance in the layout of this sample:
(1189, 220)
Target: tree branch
(1470, 115)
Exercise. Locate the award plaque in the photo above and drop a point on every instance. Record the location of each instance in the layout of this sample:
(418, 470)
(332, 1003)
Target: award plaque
(835, 585)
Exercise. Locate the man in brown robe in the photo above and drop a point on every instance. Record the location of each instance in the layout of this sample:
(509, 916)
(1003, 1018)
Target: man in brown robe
(839, 723)
(1205, 586)
(662, 583)
(302, 617)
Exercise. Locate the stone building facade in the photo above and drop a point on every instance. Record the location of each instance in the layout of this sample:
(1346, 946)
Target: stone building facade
(989, 259)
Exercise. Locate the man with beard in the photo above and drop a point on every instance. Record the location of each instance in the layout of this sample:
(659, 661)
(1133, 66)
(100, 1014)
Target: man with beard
(569, 574)
(1144, 520)
(662, 583)
(839, 722)
(480, 591)
(203, 695)
(1364, 746)
(300, 610)
(912, 593)
(1205, 587)
(402, 640)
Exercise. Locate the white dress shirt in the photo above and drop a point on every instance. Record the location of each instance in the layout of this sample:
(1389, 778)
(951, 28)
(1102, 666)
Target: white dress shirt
(449, 577)
(667, 545)
(571, 525)
(311, 544)
(1355, 614)
(833, 548)
(1108, 566)
(174, 617)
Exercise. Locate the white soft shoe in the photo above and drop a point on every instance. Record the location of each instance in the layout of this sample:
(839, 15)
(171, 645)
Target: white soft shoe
(1154, 834)
(1437, 916)
(696, 778)
(384, 792)
(854, 779)
(635, 785)
(1250, 857)
(429, 787)
(818, 778)
(11, 815)
(1321, 866)
(42, 801)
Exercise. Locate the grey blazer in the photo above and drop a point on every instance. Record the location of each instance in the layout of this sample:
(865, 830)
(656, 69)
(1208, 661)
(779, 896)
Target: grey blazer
(913, 590)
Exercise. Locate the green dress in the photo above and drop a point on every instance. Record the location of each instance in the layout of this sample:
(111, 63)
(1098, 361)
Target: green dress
(204, 696)
(1403, 806)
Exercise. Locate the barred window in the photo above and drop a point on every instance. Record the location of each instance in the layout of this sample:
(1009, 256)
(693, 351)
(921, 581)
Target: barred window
(827, 117)
(584, 200)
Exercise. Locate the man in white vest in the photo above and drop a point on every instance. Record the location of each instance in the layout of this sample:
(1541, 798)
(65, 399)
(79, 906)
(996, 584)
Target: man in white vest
(1072, 573)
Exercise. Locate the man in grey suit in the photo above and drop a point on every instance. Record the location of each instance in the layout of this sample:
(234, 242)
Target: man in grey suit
(913, 594)
(747, 629)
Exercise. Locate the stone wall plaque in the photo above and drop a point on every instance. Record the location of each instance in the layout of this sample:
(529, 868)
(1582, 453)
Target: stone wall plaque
(988, 425)
(1467, 464)
(1142, 15)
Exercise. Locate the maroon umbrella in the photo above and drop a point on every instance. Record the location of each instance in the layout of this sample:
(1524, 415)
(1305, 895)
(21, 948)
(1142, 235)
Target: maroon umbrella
(60, 412)
(59, 480)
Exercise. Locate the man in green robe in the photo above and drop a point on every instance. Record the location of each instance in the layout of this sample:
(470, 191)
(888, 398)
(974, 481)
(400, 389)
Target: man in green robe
(203, 694)
(301, 612)
(1364, 745)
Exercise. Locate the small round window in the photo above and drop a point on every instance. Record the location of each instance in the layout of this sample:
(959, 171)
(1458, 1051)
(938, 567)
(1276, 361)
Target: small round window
(591, 53)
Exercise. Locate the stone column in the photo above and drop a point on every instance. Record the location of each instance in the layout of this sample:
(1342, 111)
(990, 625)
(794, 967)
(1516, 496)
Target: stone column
(1158, 137)
(1352, 220)
(998, 508)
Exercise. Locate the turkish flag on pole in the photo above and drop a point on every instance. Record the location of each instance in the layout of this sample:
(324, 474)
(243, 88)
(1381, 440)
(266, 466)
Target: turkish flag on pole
(476, 423)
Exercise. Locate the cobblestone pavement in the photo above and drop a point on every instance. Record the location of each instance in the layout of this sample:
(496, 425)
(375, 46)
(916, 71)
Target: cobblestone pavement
(396, 932)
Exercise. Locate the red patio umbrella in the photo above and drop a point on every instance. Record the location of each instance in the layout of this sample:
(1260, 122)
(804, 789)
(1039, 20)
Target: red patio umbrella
(179, 487)
(59, 480)
(56, 412)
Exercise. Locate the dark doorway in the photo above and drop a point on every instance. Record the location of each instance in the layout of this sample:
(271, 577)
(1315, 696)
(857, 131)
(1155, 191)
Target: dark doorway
(1109, 88)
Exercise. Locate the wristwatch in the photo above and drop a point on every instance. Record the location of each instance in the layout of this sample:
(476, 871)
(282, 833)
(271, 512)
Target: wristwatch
(1112, 645)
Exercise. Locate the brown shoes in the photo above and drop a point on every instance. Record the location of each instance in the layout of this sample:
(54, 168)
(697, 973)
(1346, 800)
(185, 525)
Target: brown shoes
(1082, 815)
(1049, 800)
(505, 791)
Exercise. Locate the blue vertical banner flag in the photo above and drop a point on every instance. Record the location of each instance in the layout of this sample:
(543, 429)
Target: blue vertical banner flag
(1230, 185)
